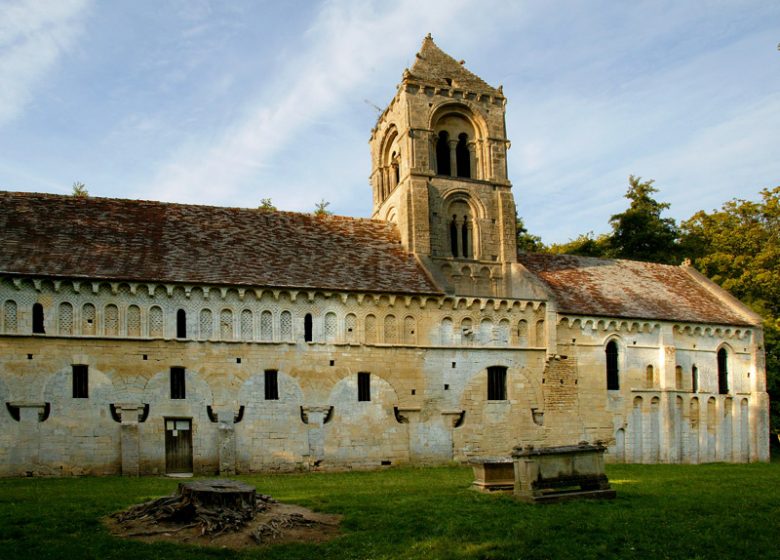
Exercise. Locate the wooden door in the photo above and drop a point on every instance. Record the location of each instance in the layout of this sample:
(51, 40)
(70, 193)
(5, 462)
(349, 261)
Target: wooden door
(178, 445)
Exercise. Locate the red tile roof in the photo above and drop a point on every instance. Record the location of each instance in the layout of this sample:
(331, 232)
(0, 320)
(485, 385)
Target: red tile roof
(103, 238)
(633, 289)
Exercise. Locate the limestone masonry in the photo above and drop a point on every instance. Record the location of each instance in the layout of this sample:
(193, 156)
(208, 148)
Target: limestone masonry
(142, 338)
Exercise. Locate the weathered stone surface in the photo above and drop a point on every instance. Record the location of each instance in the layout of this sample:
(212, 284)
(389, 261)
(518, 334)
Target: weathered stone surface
(551, 474)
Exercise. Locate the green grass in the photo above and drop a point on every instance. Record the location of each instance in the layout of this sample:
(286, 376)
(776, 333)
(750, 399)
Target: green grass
(663, 511)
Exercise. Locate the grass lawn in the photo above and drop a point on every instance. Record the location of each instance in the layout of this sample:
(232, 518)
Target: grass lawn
(663, 511)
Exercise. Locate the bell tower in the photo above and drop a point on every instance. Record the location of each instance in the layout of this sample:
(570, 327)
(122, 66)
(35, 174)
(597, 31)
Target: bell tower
(439, 172)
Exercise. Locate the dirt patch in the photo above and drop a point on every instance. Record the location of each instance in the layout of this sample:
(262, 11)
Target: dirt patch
(278, 523)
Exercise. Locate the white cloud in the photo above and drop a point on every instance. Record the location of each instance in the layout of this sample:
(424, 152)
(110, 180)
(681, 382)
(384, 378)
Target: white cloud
(33, 36)
(704, 125)
(346, 41)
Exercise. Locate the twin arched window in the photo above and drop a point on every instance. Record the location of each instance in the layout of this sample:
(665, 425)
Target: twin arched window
(459, 236)
(461, 230)
(453, 156)
(455, 142)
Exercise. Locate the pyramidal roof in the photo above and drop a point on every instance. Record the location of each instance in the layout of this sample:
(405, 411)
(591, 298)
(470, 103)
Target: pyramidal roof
(435, 67)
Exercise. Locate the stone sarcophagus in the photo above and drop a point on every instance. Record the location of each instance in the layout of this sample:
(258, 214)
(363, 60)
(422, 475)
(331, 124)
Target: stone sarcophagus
(493, 474)
(550, 474)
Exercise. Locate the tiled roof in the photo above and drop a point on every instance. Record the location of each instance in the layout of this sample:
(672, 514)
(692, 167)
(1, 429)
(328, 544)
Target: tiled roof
(434, 66)
(633, 289)
(103, 238)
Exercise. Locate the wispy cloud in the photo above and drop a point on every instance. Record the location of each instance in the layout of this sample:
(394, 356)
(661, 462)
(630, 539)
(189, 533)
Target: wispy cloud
(346, 40)
(704, 125)
(33, 36)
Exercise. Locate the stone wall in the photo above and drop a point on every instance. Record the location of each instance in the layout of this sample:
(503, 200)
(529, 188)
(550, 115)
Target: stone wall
(428, 367)
(659, 413)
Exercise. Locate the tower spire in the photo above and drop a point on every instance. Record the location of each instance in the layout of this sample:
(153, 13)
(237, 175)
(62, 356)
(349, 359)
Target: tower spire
(434, 67)
(439, 166)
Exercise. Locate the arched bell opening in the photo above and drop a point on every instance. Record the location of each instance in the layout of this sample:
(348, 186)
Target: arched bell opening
(462, 232)
(456, 135)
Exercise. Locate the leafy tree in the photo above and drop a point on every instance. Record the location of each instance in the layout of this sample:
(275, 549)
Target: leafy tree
(586, 245)
(640, 233)
(739, 248)
(80, 190)
(526, 242)
(321, 208)
(266, 205)
(772, 351)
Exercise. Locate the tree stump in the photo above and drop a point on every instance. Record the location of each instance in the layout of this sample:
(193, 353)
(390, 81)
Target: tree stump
(213, 505)
(219, 494)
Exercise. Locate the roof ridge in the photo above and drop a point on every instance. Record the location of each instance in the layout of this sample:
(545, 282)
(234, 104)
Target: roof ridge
(30, 194)
(613, 259)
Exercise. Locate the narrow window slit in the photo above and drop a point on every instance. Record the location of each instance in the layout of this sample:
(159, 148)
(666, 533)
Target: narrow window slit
(178, 389)
(364, 386)
(271, 385)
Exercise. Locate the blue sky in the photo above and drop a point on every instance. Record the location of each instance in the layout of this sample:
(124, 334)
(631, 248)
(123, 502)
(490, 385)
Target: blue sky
(229, 102)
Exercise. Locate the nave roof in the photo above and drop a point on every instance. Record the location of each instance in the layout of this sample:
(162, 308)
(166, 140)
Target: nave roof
(135, 240)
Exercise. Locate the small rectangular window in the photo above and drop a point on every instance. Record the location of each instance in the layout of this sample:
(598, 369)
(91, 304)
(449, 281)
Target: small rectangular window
(271, 385)
(80, 382)
(364, 386)
(37, 317)
(178, 389)
(496, 383)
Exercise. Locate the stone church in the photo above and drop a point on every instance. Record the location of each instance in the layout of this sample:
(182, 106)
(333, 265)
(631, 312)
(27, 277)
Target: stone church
(142, 337)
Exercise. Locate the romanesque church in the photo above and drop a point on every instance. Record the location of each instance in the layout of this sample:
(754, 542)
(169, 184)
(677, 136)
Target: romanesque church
(142, 337)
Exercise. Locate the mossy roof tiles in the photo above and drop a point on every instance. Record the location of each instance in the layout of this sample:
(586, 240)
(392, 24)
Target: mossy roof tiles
(634, 289)
(115, 239)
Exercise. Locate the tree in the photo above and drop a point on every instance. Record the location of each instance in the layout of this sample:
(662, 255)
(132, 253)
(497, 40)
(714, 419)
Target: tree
(266, 205)
(586, 245)
(526, 242)
(640, 233)
(739, 248)
(80, 190)
(772, 352)
(321, 208)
